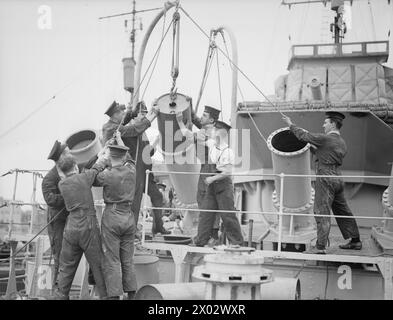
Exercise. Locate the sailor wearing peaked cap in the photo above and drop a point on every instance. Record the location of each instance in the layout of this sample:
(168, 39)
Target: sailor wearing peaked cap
(330, 150)
(56, 151)
(207, 198)
(117, 150)
(114, 107)
(161, 185)
(56, 212)
(214, 113)
(118, 225)
(222, 125)
(133, 135)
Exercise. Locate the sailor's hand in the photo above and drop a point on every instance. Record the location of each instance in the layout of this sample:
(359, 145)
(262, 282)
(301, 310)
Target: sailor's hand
(179, 116)
(118, 138)
(287, 120)
(155, 109)
(209, 180)
(201, 136)
(109, 142)
(103, 154)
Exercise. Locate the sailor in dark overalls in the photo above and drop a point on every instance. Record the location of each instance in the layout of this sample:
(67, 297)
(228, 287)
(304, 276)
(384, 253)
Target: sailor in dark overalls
(81, 233)
(118, 223)
(55, 202)
(330, 150)
(219, 194)
(133, 135)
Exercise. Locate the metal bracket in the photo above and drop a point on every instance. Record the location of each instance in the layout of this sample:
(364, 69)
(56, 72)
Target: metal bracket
(178, 255)
(386, 268)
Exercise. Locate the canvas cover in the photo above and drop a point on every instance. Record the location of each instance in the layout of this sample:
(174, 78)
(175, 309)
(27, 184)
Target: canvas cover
(340, 83)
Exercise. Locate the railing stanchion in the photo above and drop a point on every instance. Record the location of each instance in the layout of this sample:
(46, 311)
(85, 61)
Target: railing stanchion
(144, 213)
(281, 211)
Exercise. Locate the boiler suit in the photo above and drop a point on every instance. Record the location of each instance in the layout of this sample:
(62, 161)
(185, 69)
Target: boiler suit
(118, 228)
(134, 138)
(81, 233)
(329, 192)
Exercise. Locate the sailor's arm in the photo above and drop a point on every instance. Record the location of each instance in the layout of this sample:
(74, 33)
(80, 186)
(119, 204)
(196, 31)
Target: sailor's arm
(99, 166)
(49, 191)
(196, 120)
(316, 139)
(184, 130)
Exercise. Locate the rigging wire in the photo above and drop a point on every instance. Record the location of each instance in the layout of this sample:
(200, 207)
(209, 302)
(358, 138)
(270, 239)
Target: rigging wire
(237, 67)
(206, 71)
(146, 72)
(303, 21)
(155, 63)
(219, 84)
(41, 106)
(241, 93)
(327, 279)
(37, 234)
(372, 20)
(151, 62)
(362, 19)
(272, 43)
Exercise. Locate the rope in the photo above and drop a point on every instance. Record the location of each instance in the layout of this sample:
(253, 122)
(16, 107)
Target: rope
(144, 76)
(208, 63)
(40, 107)
(372, 20)
(303, 21)
(237, 67)
(219, 85)
(241, 93)
(175, 47)
(327, 279)
(155, 63)
(38, 233)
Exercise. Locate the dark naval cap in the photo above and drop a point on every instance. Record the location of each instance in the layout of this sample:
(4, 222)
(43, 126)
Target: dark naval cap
(214, 113)
(114, 107)
(335, 115)
(56, 151)
(162, 185)
(222, 125)
(117, 151)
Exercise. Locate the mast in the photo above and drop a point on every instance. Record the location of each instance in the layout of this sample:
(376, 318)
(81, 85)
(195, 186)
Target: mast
(338, 27)
(129, 63)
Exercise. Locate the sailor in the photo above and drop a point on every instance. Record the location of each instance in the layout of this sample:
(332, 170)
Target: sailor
(81, 233)
(118, 223)
(144, 151)
(134, 137)
(330, 150)
(116, 113)
(219, 194)
(55, 202)
(206, 125)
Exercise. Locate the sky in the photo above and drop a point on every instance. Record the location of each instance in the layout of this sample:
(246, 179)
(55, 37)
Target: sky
(66, 75)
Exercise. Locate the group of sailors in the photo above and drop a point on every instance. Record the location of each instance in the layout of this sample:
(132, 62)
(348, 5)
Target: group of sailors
(120, 169)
